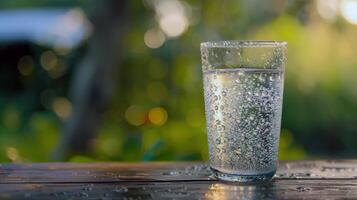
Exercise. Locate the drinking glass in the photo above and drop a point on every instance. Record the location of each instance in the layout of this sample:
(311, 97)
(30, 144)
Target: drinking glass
(243, 91)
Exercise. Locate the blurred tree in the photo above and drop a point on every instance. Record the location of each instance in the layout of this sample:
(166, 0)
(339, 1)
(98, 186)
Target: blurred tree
(93, 80)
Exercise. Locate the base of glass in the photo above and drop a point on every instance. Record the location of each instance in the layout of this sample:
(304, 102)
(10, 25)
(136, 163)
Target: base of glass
(257, 178)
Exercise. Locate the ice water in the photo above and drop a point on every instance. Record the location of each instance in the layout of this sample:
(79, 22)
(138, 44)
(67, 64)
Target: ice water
(243, 113)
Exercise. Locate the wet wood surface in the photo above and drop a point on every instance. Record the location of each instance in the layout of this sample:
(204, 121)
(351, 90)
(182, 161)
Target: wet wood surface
(173, 180)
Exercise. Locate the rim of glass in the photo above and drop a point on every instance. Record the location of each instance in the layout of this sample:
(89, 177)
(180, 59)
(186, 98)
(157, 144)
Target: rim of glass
(243, 43)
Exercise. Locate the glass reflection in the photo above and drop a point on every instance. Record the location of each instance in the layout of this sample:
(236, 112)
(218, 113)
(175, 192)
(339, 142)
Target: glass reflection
(223, 191)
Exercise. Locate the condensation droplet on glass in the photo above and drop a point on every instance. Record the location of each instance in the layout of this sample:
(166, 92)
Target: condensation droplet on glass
(215, 88)
(237, 151)
(218, 141)
(261, 77)
(245, 95)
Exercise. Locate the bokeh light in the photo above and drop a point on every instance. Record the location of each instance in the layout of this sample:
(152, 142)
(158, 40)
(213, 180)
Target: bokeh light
(62, 107)
(158, 116)
(172, 17)
(328, 9)
(48, 60)
(154, 38)
(58, 70)
(173, 25)
(25, 65)
(349, 10)
(13, 154)
(135, 115)
(55, 66)
(71, 28)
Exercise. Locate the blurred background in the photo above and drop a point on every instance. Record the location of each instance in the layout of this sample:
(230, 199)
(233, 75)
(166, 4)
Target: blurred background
(121, 80)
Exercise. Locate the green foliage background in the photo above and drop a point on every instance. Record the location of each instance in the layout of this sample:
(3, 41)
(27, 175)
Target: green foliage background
(319, 112)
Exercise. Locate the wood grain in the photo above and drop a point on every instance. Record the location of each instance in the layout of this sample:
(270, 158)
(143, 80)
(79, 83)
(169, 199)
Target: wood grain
(294, 180)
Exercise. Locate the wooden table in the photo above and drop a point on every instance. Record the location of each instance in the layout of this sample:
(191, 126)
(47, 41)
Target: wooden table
(294, 180)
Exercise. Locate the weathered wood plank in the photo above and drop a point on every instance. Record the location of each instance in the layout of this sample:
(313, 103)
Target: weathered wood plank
(119, 172)
(321, 169)
(279, 189)
(294, 180)
(102, 172)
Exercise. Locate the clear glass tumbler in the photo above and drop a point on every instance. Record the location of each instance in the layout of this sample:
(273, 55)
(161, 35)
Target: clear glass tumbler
(243, 90)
